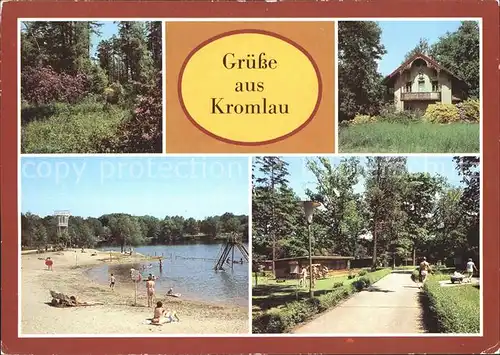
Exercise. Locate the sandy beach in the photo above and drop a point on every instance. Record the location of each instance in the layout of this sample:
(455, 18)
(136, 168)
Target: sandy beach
(117, 315)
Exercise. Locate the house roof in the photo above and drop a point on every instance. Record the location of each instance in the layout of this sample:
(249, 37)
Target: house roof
(431, 63)
(323, 257)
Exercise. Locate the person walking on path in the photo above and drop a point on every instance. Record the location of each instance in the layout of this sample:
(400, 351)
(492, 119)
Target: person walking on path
(470, 269)
(424, 271)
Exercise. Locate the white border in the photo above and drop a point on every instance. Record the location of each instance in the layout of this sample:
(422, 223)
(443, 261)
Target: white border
(250, 242)
(163, 87)
(249, 156)
(336, 91)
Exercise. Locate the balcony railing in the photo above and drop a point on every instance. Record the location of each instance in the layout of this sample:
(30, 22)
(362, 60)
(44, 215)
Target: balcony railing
(421, 96)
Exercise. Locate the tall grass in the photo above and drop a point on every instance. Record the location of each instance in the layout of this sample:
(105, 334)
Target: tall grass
(64, 128)
(420, 137)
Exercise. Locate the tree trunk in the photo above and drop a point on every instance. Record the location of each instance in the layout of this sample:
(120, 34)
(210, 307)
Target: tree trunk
(274, 255)
(122, 246)
(374, 260)
(414, 255)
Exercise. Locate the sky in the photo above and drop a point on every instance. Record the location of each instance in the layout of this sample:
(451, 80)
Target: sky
(399, 37)
(108, 29)
(165, 186)
(301, 178)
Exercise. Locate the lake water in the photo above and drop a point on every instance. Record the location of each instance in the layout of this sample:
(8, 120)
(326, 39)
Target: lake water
(189, 270)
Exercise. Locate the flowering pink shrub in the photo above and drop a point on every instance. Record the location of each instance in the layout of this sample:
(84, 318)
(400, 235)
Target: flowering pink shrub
(43, 85)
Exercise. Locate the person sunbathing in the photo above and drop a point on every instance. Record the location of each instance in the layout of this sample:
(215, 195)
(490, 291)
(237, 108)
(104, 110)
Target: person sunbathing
(159, 312)
(171, 293)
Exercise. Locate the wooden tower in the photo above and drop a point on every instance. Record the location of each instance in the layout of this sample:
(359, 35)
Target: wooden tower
(227, 252)
(62, 222)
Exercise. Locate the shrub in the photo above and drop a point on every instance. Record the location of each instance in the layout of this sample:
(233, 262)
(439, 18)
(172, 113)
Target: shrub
(389, 114)
(43, 86)
(143, 132)
(454, 309)
(469, 110)
(113, 94)
(359, 285)
(415, 275)
(369, 279)
(442, 113)
(98, 79)
(343, 124)
(338, 284)
(333, 298)
(281, 320)
(362, 273)
(363, 119)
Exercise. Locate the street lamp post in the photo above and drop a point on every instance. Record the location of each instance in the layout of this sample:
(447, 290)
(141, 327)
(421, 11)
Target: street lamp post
(309, 207)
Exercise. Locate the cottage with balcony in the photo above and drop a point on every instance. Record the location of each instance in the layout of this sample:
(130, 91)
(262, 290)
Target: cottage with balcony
(421, 81)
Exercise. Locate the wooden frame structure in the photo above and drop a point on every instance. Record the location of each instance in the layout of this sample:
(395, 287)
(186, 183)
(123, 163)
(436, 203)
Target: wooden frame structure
(228, 249)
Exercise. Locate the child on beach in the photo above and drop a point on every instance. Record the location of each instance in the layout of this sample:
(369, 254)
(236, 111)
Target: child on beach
(49, 263)
(160, 311)
(112, 282)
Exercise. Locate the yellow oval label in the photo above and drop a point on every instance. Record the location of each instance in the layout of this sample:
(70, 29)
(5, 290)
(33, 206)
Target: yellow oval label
(250, 87)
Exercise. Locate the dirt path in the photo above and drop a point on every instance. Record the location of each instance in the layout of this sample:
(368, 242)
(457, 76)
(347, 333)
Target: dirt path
(389, 306)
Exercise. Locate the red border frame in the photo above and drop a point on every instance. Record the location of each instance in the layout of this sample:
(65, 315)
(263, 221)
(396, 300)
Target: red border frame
(262, 32)
(489, 342)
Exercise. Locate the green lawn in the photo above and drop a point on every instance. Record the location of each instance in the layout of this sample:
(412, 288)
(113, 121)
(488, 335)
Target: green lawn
(421, 137)
(62, 128)
(269, 293)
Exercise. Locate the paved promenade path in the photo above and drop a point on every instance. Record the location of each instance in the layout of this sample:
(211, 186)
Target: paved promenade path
(389, 306)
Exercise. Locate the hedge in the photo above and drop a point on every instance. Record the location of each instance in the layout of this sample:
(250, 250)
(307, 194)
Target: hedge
(283, 319)
(453, 309)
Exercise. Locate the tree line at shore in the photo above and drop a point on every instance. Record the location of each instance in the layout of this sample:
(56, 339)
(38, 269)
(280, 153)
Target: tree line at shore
(361, 90)
(126, 230)
(399, 215)
(112, 86)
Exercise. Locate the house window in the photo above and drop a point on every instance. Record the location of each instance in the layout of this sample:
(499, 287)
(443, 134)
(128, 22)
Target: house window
(408, 86)
(435, 86)
(421, 86)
